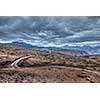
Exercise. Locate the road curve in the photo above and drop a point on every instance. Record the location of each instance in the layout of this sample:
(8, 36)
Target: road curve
(15, 63)
(84, 70)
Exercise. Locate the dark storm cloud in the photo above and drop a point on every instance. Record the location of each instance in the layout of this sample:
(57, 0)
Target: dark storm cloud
(39, 30)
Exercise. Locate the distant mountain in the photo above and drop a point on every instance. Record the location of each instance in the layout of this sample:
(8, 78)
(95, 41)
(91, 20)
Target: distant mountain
(17, 44)
(54, 49)
(70, 50)
(89, 49)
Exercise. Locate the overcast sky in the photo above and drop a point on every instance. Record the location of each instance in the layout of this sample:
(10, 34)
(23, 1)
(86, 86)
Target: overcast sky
(51, 31)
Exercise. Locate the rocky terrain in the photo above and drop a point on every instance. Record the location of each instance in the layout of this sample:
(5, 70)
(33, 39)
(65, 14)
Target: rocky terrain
(27, 65)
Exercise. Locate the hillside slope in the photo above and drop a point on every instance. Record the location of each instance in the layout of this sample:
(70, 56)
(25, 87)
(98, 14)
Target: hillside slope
(27, 65)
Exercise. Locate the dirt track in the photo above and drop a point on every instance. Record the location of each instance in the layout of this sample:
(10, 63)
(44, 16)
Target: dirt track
(15, 63)
(21, 65)
(49, 74)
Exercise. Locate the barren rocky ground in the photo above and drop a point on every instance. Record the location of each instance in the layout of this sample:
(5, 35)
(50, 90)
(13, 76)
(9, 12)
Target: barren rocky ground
(19, 65)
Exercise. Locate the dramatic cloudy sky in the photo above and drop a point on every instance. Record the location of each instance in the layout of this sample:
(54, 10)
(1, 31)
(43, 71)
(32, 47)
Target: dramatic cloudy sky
(51, 31)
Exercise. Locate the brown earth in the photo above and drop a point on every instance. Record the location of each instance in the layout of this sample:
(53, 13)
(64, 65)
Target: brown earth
(42, 66)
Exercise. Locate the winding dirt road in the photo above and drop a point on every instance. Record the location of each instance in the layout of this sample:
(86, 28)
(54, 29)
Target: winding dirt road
(16, 64)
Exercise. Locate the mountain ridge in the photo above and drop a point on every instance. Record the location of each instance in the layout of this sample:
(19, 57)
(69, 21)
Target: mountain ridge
(54, 49)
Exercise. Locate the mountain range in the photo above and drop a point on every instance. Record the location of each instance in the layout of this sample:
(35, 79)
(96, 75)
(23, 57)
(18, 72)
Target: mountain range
(66, 50)
(87, 48)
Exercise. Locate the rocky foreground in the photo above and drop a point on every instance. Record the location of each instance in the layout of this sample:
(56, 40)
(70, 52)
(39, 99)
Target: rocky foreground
(19, 65)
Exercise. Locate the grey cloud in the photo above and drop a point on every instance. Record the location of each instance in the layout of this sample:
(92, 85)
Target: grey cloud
(50, 29)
